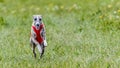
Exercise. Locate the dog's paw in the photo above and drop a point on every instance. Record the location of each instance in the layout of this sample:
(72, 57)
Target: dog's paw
(45, 43)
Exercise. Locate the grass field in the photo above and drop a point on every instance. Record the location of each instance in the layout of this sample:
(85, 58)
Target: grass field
(80, 33)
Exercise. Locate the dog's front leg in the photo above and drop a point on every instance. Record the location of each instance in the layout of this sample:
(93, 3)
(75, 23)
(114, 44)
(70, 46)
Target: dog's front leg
(43, 34)
(33, 36)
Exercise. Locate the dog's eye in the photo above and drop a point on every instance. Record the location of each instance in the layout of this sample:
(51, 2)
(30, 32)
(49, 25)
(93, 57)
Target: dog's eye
(40, 19)
(35, 19)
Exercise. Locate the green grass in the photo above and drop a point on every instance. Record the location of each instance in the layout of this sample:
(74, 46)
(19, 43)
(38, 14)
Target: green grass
(80, 33)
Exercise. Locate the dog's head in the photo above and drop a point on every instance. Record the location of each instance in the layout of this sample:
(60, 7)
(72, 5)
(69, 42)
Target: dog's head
(37, 20)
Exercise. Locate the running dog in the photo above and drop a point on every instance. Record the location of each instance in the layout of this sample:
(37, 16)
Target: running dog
(38, 37)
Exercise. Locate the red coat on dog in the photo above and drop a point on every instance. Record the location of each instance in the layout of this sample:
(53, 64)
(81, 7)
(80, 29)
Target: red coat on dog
(39, 38)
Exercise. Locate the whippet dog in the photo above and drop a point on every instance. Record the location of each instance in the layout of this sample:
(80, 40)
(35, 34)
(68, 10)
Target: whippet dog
(38, 36)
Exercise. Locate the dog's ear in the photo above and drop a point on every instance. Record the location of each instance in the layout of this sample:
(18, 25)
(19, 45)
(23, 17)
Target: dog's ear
(40, 16)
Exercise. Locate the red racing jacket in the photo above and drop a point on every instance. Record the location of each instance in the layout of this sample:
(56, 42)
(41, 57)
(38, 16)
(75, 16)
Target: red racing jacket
(39, 38)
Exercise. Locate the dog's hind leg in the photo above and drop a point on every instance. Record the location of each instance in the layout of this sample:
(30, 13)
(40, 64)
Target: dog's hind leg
(40, 49)
(33, 48)
(43, 48)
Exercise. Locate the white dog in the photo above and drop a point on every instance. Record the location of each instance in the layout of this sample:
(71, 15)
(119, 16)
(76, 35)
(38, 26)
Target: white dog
(38, 37)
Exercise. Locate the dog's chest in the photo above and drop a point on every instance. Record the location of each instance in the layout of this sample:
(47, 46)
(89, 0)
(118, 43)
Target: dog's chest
(38, 33)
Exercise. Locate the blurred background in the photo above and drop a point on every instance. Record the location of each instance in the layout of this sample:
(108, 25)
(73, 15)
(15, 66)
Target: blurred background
(80, 33)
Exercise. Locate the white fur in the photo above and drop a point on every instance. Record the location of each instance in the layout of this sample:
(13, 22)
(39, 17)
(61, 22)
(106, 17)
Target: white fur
(39, 48)
(45, 43)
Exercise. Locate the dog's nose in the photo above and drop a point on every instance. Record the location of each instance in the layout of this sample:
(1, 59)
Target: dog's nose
(37, 24)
